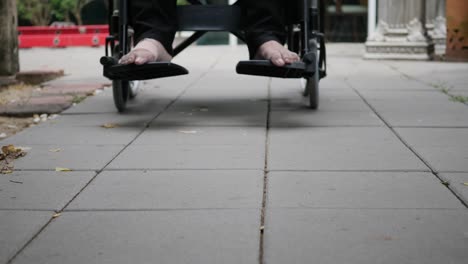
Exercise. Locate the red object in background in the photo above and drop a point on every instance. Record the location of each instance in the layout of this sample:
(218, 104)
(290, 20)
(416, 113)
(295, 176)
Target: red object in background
(62, 36)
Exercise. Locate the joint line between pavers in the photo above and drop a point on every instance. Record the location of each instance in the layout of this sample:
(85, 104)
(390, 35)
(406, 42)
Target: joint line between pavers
(265, 176)
(407, 145)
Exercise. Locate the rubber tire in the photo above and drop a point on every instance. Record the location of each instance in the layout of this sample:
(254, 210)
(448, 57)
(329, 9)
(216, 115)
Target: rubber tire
(121, 91)
(312, 87)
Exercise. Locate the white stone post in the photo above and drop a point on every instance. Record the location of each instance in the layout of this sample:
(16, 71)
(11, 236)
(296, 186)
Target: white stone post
(436, 24)
(400, 32)
(371, 16)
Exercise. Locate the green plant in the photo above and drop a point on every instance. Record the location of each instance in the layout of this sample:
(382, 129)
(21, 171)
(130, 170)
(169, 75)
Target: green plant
(38, 12)
(459, 98)
(63, 8)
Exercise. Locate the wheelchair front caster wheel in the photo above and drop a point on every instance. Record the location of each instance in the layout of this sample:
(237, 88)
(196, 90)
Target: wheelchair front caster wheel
(134, 89)
(121, 93)
(312, 90)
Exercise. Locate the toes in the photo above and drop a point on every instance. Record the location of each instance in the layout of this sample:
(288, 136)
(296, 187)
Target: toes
(289, 57)
(127, 59)
(277, 59)
(141, 60)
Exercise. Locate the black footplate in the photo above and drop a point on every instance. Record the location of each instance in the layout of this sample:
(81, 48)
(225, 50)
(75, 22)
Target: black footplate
(133, 72)
(266, 68)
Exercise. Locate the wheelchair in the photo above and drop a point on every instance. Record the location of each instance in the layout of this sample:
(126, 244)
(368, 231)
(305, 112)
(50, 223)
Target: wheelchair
(305, 36)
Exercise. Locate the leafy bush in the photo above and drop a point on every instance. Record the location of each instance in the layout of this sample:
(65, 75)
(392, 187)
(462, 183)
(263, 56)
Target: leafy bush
(41, 12)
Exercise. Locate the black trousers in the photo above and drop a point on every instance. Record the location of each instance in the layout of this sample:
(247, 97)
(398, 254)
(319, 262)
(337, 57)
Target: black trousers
(264, 20)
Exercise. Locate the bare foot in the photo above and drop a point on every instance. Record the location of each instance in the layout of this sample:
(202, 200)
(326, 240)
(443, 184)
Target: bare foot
(147, 50)
(276, 53)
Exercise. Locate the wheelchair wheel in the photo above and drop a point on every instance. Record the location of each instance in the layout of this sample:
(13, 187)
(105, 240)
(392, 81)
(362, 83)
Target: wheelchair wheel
(123, 90)
(311, 86)
(121, 94)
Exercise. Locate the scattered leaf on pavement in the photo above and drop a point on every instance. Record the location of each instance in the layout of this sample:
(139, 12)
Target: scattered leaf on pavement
(62, 169)
(188, 131)
(465, 183)
(110, 125)
(7, 155)
(55, 150)
(56, 215)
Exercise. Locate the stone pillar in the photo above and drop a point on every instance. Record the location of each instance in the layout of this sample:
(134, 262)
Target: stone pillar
(436, 24)
(401, 32)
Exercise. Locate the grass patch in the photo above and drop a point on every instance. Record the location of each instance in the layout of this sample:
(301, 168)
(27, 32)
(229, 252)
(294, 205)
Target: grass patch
(78, 99)
(445, 89)
(459, 99)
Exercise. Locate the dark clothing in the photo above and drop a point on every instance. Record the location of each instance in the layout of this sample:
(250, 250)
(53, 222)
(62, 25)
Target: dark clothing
(264, 21)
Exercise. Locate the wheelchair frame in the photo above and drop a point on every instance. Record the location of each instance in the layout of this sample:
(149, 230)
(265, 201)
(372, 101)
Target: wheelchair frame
(304, 36)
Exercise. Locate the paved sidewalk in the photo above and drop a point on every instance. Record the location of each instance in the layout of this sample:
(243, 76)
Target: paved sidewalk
(215, 167)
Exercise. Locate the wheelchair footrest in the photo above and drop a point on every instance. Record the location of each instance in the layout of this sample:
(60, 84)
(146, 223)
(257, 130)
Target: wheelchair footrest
(268, 69)
(152, 70)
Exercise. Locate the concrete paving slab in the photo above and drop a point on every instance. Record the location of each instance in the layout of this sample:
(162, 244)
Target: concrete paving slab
(75, 136)
(151, 98)
(40, 190)
(434, 72)
(459, 88)
(127, 120)
(366, 236)
(203, 136)
(16, 228)
(420, 109)
(323, 118)
(76, 157)
(215, 112)
(288, 94)
(222, 83)
(446, 149)
(459, 183)
(193, 236)
(344, 148)
(359, 69)
(358, 190)
(151, 190)
(214, 157)
(388, 83)
(100, 104)
(338, 107)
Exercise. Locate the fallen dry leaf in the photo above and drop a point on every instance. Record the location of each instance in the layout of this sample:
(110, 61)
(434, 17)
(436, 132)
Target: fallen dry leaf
(56, 215)
(10, 149)
(55, 150)
(9, 153)
(109, 125)
(188, 131)
(465, 183)
(62, 169)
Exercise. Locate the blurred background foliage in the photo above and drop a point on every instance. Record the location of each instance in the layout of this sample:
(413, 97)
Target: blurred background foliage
(44, 12)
